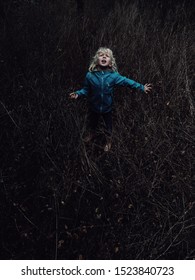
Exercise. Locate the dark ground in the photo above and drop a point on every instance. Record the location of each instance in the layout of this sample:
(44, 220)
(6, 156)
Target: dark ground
(61, 199)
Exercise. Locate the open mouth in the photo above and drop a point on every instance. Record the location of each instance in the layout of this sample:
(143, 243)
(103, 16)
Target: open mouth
(103, 61)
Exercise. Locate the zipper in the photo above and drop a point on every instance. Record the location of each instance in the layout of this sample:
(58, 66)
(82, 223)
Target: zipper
(102, 95)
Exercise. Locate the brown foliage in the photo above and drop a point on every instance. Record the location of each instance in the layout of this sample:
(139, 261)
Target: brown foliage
(65, 200)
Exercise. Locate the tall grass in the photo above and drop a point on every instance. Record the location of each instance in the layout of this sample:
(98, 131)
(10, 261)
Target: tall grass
(62, 199)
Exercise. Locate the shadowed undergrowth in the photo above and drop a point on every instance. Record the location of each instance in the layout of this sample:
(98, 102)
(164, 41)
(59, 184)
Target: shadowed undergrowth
(62, 199)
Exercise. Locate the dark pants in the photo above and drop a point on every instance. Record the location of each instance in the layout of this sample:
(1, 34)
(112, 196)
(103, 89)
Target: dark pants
(94, 120)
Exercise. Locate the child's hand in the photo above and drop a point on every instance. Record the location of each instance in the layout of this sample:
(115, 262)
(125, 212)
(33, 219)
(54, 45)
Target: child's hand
(73, 95)
(147, 88)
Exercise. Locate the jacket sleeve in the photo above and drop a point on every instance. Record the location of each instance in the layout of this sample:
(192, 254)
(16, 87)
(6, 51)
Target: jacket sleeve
(85, 89)
(123, 81)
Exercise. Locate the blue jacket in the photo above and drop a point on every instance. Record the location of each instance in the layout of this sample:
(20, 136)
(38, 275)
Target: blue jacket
(99, 85)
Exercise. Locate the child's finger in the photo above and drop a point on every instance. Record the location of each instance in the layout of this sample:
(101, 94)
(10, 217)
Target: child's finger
(72, 95)
(148, 88)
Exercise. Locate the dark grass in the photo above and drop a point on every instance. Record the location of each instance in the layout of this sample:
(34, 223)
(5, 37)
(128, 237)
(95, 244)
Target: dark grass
(62, 199)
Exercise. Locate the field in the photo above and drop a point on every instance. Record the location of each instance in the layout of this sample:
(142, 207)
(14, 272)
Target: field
(63, 199)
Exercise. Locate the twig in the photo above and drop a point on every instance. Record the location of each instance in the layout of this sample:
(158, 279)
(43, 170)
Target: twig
(9, 115)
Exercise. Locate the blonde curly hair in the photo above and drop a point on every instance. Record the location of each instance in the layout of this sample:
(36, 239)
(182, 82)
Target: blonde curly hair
(94, 63)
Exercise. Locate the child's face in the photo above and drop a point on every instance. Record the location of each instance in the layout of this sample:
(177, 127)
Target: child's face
(104, 60)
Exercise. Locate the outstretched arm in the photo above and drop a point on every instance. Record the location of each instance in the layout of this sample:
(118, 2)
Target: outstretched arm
(84, 90)
(123, 81)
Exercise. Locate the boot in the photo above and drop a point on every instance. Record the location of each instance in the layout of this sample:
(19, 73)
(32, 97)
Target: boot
(108, 145)
(89, 137)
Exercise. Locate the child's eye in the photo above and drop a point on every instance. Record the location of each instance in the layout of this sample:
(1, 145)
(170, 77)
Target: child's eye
(104, 54)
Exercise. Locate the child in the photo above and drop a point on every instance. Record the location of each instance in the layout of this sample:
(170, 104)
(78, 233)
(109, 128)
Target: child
(98, 87)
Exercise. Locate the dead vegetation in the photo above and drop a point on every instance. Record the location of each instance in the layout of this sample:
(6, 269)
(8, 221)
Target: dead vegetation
(61, 199)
